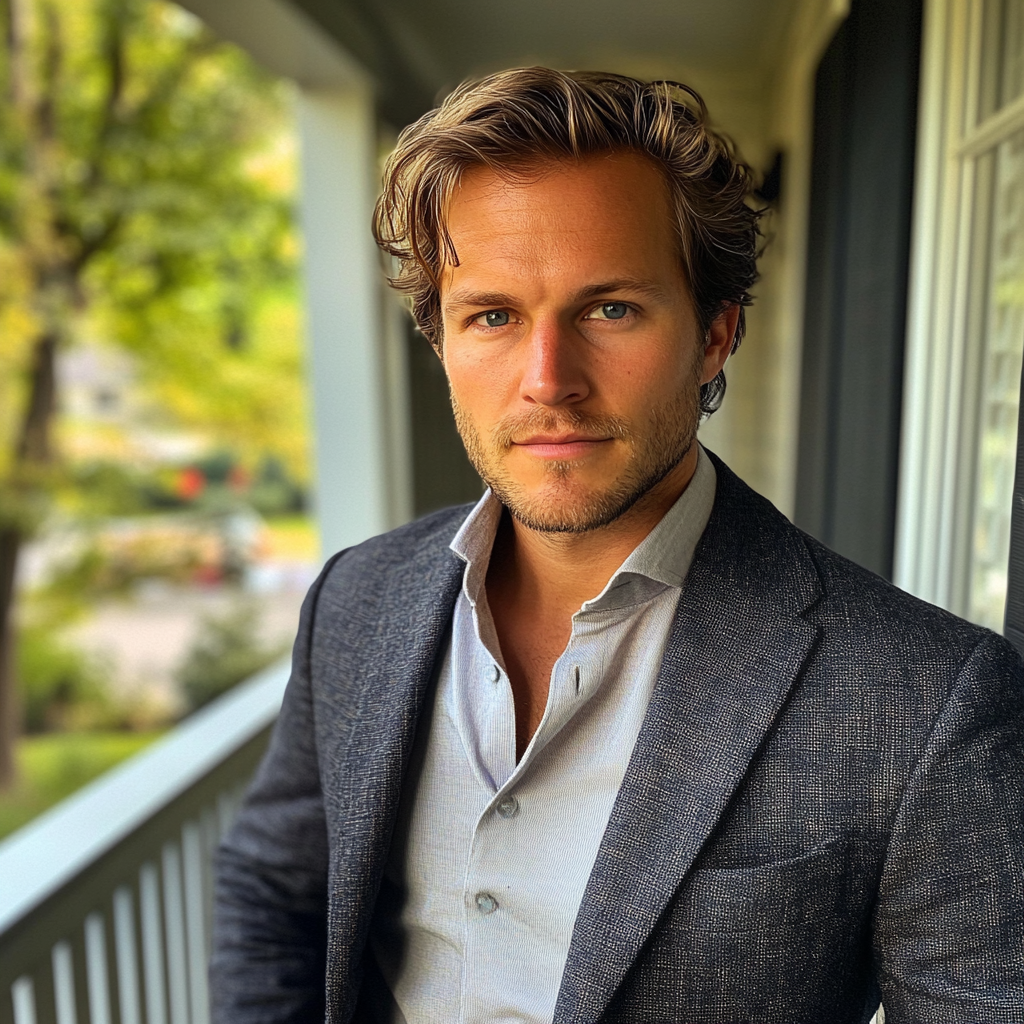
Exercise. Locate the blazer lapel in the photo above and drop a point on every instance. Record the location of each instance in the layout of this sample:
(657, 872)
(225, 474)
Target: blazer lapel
(736, 646)
(395, 665)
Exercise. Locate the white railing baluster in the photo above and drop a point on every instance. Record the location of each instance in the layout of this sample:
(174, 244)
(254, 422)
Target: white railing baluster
(80, 974)
(110, 949)
(23, 998)
(152, 945)
(98, 972)
(192, 857)
(129, 994)
(174, 929)
(64, 983)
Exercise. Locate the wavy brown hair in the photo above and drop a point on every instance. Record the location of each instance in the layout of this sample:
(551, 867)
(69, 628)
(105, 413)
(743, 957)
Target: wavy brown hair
(510, 120)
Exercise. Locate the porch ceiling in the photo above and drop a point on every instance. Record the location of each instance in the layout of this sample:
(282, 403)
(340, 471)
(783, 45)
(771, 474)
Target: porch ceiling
(417, 48)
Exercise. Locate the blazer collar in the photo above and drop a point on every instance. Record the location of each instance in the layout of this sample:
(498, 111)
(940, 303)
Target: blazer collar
(736, 646)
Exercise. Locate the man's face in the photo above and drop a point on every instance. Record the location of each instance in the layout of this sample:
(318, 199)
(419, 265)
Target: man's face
(571, 343)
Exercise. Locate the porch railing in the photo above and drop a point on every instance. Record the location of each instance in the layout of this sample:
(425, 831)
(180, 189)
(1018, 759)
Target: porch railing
(105, 900)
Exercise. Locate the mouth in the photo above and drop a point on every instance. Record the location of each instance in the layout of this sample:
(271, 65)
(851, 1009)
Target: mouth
(560, 446)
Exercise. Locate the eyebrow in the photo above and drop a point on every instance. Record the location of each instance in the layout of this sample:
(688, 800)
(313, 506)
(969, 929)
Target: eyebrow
(623, 284)
(462, 298)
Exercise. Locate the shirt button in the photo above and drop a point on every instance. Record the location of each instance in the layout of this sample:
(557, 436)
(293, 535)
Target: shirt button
(507, 806)
(486, 903)
(494, 673)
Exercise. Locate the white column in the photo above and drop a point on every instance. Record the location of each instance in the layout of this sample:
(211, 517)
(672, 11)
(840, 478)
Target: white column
(356, 361)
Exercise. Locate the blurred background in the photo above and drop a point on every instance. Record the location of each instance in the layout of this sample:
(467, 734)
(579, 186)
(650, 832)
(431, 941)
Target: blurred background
(155, 535)
(206, 388)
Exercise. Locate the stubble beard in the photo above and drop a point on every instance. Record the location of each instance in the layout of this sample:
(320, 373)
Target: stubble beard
(561, 506)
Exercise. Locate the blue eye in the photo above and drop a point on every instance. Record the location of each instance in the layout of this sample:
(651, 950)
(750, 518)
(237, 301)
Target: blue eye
(496, 318)
(609, 311)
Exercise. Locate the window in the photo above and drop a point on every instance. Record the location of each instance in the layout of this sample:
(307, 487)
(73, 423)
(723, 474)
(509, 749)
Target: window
(966, 329)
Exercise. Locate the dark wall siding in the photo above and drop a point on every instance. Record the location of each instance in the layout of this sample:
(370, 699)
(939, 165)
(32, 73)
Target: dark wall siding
(858, 258)
(442, 475)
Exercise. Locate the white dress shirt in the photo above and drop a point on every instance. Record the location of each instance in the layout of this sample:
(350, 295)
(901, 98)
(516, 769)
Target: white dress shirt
(490, 858)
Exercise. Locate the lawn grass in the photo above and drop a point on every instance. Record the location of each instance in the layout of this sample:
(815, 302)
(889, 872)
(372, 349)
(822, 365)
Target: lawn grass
(53, 765)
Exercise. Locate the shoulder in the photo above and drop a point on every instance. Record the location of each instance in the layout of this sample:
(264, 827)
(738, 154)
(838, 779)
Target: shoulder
(921, 655)
(877, 607)
(866, 621)
(422, 540)
(391, 572)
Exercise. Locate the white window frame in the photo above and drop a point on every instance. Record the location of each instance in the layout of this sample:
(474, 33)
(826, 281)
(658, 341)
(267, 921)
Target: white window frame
(942, 384)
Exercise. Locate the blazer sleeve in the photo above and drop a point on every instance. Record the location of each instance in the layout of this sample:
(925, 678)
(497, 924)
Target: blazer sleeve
(949, 922)
(270, 890)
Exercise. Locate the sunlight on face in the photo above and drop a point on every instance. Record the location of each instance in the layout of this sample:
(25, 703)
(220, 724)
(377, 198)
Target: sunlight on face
(572, 350)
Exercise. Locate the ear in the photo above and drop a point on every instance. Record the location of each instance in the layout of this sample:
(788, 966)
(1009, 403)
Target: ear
(720, 340)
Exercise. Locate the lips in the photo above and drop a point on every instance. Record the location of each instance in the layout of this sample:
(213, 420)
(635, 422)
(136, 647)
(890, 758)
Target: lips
(558, 439)
(559, 446)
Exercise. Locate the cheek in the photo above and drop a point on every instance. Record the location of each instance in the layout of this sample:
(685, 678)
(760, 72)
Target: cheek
(478, 381)
(651, 374)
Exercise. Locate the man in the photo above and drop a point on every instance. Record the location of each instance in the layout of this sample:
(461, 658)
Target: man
(619, 743)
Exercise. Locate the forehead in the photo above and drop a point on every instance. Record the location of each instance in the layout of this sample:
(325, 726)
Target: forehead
(590, 216)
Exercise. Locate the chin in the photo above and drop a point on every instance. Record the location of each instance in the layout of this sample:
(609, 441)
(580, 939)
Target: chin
(567, 506)
(591, 492)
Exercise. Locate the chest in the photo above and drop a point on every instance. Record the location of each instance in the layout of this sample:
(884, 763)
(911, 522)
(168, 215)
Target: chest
(492, 851)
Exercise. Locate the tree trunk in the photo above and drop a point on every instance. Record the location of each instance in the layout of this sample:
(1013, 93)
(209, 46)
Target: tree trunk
(33, 452)
(10, 543)
(34, 445)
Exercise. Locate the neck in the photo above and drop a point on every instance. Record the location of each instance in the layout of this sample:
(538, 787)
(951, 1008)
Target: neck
(558, 572)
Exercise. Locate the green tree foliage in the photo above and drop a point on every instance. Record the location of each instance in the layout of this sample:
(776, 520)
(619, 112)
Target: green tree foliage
(141, 200)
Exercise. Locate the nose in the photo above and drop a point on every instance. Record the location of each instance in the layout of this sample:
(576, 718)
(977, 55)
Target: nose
(554, 369)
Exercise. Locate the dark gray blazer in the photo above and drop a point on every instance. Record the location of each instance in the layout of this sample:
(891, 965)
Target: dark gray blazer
(825, 803)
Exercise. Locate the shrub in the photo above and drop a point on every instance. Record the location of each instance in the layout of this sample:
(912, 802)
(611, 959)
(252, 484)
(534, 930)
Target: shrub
(62, 687)
(226, 650)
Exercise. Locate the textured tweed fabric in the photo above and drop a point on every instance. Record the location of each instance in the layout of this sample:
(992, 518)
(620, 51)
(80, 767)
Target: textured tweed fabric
(444, 955)
(825, 803)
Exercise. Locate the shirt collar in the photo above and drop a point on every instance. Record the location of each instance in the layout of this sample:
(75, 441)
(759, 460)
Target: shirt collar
(662, 558)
